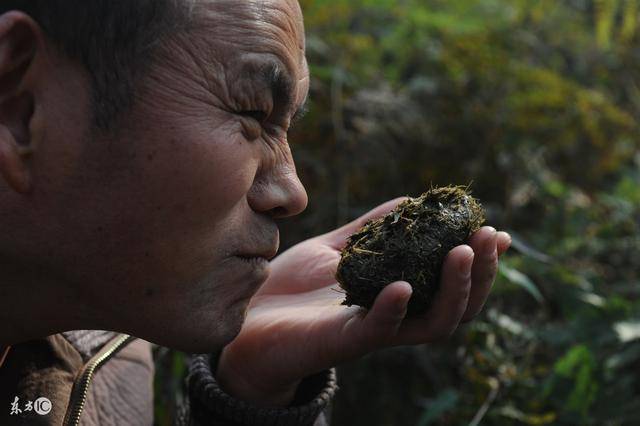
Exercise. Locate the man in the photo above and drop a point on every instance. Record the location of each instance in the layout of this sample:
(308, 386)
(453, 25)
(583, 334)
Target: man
(144, 159)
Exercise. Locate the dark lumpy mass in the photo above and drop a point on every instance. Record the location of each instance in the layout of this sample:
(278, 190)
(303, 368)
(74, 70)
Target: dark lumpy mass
(409, 244)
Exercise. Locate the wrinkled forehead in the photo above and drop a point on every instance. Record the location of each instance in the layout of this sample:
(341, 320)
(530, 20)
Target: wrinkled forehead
(244, 28)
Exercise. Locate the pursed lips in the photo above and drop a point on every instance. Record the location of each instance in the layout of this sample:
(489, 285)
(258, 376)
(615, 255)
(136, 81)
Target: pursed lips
(266, 254)
(261, 246)
(257, 262)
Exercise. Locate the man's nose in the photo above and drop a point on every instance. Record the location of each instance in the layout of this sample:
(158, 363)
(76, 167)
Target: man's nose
(280, 194)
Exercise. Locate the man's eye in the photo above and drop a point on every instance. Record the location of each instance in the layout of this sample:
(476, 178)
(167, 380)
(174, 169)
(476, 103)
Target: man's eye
(259, 116)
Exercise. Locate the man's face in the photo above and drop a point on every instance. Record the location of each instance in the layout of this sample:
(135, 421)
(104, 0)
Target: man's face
(162, 228)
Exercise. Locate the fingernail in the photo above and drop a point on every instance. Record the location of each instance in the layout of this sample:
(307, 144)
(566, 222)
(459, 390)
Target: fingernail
(491, 243)
(508, 237)
(402, 304)
(465, 264)
(403, 301)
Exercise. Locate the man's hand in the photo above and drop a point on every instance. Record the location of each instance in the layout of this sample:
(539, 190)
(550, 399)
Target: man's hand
(296, 325)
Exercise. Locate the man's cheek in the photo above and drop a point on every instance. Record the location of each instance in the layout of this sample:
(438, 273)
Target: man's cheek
(221, 174)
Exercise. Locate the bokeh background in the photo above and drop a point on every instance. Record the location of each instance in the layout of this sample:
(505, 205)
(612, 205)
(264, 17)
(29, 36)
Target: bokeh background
(537, 105)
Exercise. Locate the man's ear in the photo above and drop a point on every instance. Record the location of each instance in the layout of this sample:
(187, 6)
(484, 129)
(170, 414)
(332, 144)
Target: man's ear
(19, 39)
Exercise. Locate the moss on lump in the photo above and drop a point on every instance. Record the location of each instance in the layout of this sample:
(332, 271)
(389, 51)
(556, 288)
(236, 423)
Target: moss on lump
(409, 244)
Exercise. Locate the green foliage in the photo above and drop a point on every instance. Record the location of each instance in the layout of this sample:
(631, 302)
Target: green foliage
(537, 104)
(444, 402)
(168, 384)
(577, 369)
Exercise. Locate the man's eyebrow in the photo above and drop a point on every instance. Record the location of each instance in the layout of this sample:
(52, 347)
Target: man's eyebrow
(278, 80)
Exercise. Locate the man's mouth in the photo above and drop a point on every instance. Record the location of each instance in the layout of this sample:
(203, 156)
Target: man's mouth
(255, 261)
(258, 253)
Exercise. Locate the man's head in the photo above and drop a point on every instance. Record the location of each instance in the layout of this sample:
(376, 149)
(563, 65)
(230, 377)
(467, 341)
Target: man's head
(139, 211)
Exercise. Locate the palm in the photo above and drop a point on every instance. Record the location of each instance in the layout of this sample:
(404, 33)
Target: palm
(296, 324)
(298, 311)
(308, 266)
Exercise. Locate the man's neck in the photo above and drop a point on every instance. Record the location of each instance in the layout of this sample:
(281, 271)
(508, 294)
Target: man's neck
(33, 305)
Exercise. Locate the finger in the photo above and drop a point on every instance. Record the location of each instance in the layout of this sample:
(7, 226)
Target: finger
(338, 238)
(381, 324)
(504, 242)
(449, 304)
(485, 265)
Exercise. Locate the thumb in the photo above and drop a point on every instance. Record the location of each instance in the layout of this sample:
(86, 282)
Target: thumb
(381, 323)
(338, 238)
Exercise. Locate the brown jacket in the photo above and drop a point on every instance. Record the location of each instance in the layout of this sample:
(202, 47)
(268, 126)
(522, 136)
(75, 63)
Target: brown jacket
(106, 378)
(87, 377)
